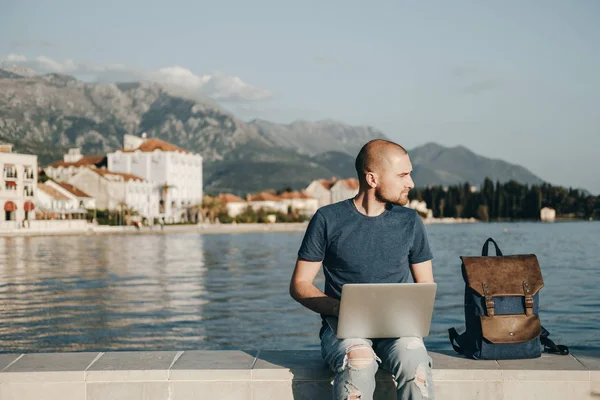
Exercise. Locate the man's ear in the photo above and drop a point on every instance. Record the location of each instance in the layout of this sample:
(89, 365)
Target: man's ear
(372, 179)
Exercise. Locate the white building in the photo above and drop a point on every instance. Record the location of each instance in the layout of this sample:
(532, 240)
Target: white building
(175, 173)
(235, 205)
(114, 190)
(54, 204)
(266, 201)
(320, 190)
(300, 202)
(547, 214)
(18, 181)
(61, 200)
(79, 198)
(344, 189)
(73, 162)
(421, 208)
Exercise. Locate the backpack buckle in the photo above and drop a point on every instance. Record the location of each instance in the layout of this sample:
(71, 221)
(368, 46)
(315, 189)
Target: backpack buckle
(489, 301)
(489, 305)
(528, 299)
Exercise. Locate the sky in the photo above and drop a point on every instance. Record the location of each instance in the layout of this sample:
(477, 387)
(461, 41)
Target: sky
(513, 80)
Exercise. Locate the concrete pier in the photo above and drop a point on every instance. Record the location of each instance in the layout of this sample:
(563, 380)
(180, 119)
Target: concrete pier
(277, 375)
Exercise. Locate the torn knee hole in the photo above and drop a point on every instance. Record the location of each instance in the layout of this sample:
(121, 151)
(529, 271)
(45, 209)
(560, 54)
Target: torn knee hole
(415, 343)
(421, 379)
(352, 392)
(359, 356)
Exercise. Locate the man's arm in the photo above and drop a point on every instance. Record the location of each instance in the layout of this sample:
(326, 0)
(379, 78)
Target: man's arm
(422, 272)
(303, 290)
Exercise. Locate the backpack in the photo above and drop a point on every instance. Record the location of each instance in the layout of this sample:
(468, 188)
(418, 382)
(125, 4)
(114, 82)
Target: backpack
(501, 308)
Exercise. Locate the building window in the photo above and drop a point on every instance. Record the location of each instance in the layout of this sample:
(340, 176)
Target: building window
(28, 191)
(9, 185)
(10, 171)
(28, 172)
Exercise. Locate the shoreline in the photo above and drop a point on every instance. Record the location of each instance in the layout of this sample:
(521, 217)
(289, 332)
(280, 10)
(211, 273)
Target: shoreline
(430, 221)
(168, 229)
(209, 228)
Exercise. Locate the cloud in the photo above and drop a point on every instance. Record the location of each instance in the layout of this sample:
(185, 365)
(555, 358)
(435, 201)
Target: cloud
(216, 85)
(16, 58)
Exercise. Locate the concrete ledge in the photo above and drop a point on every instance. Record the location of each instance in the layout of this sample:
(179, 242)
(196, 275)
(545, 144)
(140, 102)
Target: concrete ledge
(277, 375)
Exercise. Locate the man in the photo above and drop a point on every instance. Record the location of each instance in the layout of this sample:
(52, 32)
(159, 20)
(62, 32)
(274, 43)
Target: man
(368, 239)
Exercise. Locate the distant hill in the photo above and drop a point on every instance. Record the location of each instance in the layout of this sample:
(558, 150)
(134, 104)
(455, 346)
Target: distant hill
(48, 114)
(434, 164)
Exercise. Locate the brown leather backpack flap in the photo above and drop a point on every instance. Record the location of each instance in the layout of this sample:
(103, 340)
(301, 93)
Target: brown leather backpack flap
(504, 275)
(510, 328)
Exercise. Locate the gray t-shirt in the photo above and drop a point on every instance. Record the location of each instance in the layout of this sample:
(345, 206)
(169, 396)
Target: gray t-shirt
(355, 248)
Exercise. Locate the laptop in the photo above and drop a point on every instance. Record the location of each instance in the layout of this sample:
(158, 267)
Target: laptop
(386, 310)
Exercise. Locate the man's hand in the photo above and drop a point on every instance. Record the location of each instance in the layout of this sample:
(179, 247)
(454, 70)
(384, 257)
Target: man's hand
(303, 290)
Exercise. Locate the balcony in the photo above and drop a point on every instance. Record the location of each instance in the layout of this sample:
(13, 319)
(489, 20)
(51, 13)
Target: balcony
(10, 187)
(8, 174)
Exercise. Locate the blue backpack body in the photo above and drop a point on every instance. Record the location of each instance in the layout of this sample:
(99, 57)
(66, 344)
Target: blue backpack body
(501, 307)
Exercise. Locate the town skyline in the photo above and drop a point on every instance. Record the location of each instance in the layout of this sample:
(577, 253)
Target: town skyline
(512, 81)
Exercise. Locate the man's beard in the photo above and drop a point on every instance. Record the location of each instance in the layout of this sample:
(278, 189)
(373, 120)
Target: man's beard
(401, 200)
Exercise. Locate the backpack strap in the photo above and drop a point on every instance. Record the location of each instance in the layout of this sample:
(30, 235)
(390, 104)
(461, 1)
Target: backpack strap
(453, 334)
(550, 346)
(484, 251)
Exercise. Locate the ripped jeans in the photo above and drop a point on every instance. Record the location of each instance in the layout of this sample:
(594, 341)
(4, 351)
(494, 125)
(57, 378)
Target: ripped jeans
(406, 358)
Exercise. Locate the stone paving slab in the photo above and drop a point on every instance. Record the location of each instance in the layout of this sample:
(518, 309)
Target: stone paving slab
(203, 365)
(7, 359)
(48, 367)
(281, 375)
(131, 366)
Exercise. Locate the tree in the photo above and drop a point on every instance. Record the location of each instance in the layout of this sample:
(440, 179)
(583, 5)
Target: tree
(247, 216)
(211, 207)
(500, 201)
(510, 200)
(482, 213)
(489, 195)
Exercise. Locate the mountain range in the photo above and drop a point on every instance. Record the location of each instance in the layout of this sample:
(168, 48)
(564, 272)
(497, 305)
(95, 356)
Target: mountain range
(48, 114)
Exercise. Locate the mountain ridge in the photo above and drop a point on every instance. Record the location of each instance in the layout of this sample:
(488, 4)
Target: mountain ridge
(48, 114)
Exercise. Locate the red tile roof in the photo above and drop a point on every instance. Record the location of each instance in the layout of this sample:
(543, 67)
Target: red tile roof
(91, 160)
(230, 198)
(72, 189)
(264, 196)
(126, 177)
(52, 192)
(294, 195)
(156, 144)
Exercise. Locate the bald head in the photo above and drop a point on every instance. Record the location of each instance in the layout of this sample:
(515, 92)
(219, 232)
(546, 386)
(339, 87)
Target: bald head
(374, 155)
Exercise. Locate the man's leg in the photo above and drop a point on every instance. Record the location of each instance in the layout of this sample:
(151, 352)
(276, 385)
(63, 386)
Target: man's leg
(407, 359)
(354, 363)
